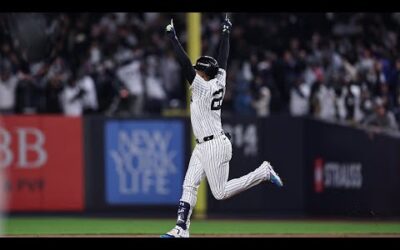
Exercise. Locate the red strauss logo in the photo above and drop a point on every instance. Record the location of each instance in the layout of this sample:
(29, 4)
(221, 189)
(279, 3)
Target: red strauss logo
(318, 175)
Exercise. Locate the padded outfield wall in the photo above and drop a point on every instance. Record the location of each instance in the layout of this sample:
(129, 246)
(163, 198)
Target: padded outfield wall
(98, 164)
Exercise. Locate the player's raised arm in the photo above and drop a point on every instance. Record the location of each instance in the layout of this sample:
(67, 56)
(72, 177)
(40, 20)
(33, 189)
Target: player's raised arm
(183, 58)
(223, 50)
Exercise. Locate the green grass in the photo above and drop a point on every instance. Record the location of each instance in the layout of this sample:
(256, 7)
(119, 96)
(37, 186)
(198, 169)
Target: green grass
(60, 226)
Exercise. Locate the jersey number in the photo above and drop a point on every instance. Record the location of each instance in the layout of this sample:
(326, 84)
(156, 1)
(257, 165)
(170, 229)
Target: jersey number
(217, 101)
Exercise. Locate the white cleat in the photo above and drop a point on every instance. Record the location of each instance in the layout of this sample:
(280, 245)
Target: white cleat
(176, 232)
(273, 176)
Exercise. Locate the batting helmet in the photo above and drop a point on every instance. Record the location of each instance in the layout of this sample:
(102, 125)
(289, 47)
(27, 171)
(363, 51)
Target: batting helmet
(208, 65)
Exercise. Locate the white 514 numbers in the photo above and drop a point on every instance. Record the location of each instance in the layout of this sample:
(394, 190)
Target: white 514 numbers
(244, 136)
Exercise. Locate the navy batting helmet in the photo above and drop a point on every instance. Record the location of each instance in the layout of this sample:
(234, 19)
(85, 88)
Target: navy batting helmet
(208, 65)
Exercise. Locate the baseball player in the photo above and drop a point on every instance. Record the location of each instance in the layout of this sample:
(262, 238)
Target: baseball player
(211, 156)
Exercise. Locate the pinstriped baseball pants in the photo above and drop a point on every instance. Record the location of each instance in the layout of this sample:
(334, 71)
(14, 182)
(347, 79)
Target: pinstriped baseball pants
(211, 159)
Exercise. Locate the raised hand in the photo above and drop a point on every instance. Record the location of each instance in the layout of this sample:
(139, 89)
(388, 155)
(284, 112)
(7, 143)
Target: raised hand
(170, 30)
(226, 25)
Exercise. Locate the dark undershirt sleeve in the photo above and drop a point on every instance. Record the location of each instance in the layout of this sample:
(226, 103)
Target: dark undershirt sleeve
(223, 51)
(183, 60)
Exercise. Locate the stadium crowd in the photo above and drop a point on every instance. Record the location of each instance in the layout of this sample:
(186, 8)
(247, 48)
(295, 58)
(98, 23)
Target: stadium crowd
(336, 67)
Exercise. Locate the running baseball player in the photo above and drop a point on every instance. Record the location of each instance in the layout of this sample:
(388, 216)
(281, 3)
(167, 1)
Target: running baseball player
(211, 156)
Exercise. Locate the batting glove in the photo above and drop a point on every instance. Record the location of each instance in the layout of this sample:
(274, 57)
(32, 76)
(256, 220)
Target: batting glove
(170, 30)
(226, 25)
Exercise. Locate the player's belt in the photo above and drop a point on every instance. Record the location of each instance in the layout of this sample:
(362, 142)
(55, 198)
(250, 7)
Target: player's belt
(210, 137)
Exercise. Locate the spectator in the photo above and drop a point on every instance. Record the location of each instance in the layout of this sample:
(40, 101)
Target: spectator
(155, 92)
(170, 73)
(89, 99)
(71, 98)
(243, 99)
(27, 95)
(322, 98)
(53, 91)
(386, 96)
(381, 118)
(120, 105)
(299, 98)
(131, 77)
(262, 101)
(366, 104)
(351, 100)
(8, 84)
(105, 83)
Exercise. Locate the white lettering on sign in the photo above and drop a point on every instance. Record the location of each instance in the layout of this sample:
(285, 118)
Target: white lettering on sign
(36, 145)
(6, 155)
(244, 137)
(143, 161)
(343, 175)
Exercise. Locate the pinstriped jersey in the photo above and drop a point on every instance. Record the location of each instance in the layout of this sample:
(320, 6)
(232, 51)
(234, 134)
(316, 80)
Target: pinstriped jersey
(205, 104)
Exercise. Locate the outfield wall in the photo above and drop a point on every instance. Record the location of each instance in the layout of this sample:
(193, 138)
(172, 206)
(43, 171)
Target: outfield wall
(328, 170)
(136, 166)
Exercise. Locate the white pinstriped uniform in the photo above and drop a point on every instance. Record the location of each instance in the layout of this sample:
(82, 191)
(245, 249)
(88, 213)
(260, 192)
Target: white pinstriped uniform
(211, 158)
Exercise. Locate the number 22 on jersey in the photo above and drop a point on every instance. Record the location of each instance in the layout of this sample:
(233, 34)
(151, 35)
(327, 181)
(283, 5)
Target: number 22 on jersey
(217, 100)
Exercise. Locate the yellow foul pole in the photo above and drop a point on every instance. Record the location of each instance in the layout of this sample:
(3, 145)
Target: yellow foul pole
(193, 21)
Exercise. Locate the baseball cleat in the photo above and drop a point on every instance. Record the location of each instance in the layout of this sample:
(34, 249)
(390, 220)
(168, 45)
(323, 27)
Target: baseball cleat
(273, 176)
(176, 232)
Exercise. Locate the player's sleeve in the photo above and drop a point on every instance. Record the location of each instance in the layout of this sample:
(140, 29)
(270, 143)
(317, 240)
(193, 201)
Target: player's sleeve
(223, 51)
(221, 76)
(199, 86)
(183, 60)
